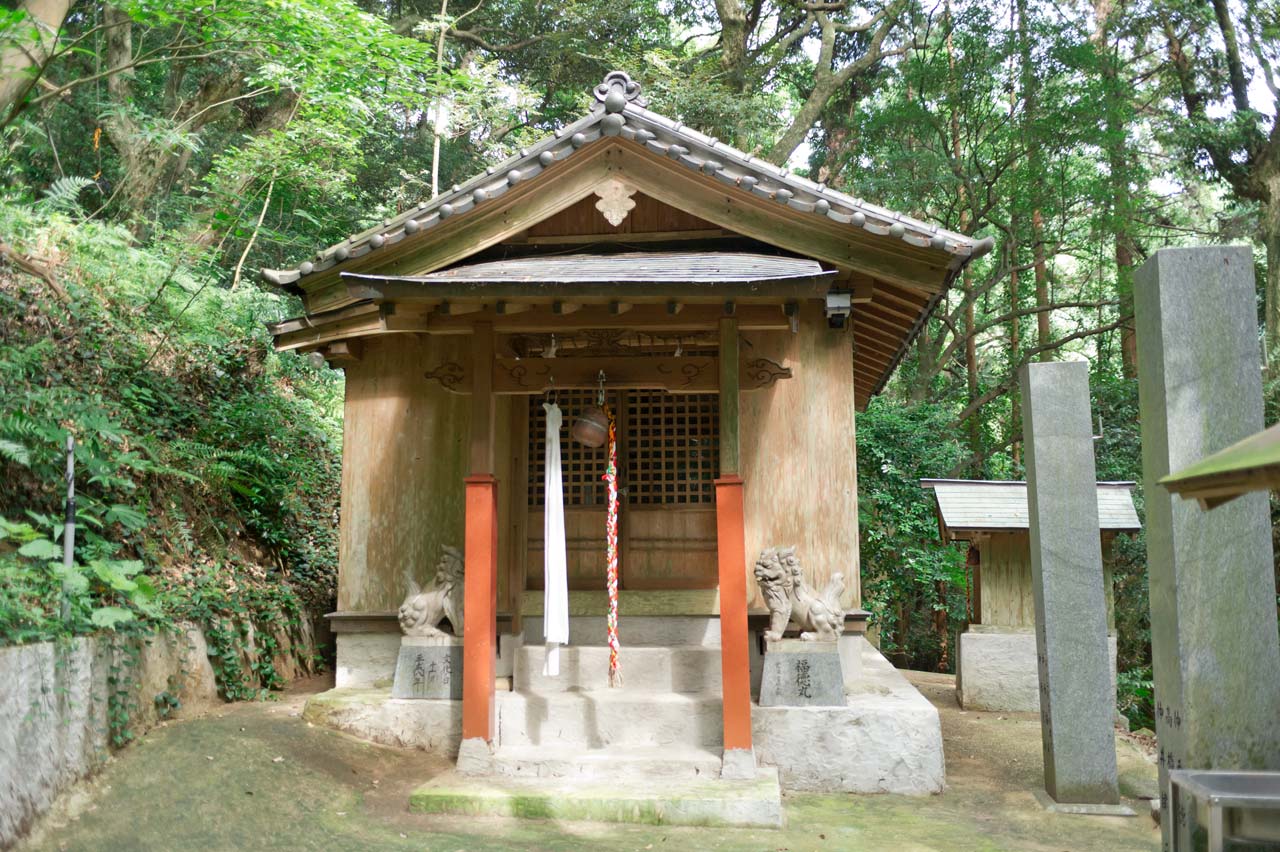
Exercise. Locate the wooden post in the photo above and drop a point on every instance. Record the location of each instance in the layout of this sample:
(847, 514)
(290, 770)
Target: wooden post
(729, 396)
(479, 635)
(739, 760)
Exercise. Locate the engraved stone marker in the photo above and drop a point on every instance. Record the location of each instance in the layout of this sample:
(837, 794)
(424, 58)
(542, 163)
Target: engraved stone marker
(1215, 655)
(429, 667)
(1077, 701)
(799, 672)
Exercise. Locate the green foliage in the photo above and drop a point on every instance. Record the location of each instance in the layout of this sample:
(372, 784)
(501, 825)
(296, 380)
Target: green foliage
(911, 582)
(1135, 696)
(206, 465)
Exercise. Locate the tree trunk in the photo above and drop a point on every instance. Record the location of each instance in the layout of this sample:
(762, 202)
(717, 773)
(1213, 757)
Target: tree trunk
(22, 63)
(1270, 226)
(1116, 108)
(1015, 344)
(1043, 335)
(733, 41)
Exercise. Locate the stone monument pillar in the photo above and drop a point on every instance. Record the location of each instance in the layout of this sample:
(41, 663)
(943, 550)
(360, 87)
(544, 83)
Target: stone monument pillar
(1077, 700)
(1215, 654)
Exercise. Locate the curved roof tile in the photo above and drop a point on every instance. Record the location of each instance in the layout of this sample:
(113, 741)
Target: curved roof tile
(620, 111)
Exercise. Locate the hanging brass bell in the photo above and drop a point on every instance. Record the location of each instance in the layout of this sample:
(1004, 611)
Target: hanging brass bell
(591, 429)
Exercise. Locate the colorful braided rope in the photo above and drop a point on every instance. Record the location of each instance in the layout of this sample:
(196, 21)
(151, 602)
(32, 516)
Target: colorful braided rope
(611, 539)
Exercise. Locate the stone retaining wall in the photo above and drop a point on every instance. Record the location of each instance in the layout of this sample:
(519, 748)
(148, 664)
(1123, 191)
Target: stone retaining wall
(56, 698)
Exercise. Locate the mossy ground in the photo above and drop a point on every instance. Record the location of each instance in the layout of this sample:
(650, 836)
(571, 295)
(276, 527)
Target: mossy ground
(216, 783)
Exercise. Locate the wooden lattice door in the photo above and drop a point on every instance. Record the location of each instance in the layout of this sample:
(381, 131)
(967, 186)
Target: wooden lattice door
(668, 459)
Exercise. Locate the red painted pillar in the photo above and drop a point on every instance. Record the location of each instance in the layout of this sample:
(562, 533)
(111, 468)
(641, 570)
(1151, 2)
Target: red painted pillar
(480, 587)
(735, 660)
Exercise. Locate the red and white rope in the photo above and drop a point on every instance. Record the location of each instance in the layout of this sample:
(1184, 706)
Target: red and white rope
(611, 539)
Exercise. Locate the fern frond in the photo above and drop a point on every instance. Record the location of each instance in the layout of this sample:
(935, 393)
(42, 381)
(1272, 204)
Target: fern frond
(64, 193)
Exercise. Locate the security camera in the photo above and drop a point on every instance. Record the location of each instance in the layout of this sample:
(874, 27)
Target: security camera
(839, 307)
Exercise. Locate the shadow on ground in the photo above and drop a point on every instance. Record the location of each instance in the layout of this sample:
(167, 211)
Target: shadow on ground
(255, 776)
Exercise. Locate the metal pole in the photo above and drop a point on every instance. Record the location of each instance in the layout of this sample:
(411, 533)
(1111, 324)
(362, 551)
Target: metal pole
(69, 527)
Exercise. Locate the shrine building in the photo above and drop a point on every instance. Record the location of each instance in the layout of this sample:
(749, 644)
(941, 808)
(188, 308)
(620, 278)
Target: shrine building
(735, 316)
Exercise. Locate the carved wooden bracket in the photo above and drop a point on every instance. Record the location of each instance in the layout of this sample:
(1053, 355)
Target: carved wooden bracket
(615, 201)
(759, 373)
(452, 376)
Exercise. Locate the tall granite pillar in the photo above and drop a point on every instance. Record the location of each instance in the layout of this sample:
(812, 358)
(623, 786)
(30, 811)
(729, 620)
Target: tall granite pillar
(1215, 655)
(1077, 702)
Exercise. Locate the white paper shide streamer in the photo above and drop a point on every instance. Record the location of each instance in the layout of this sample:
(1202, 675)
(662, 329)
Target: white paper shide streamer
(555, 601)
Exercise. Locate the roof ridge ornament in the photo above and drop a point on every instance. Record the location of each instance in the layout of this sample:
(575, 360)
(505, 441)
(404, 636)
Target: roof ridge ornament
(617, 90)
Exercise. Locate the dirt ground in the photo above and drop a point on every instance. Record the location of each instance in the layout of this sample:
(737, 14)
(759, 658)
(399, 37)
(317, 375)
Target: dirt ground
(255, 776)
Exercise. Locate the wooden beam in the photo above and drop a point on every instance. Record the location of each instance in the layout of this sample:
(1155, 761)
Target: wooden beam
(535, 375)
(642, 317)
(624, 237)
(343, 352)
(421, 319)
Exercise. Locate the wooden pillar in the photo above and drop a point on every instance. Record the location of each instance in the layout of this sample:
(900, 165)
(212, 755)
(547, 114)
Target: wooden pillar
(479, 635)
(732, 563)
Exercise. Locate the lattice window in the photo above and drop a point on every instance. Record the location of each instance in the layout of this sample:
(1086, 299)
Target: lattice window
(581, 466)
(673, 447)
(668, 449)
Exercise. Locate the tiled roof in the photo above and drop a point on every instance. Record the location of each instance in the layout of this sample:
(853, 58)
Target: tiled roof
(620, 111)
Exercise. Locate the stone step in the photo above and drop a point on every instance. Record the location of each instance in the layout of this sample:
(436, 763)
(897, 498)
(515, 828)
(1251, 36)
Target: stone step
(634, 630)
(683, 668)
(610, 717)
(701, 801)
(607, 764)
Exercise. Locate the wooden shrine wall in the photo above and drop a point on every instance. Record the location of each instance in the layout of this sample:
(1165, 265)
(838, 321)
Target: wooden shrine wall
(799, 455)
(405, 443)
(1008, 599)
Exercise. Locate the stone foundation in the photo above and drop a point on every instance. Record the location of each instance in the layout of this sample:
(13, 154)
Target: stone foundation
(886, 739)
(997, 671)
(433, 725)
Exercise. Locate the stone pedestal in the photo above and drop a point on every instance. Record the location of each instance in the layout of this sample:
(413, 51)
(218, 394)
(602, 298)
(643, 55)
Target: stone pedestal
(997, 670)
(801, 674)
(1213, 616)
(429, 667)
(1077, 701)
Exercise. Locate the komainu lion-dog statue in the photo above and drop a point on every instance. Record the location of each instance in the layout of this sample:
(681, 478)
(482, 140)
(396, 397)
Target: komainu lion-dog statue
(789, 597)
(422, 611)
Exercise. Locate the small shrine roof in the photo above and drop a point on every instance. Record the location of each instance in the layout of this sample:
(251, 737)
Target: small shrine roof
(970, 505)
(1249, 465)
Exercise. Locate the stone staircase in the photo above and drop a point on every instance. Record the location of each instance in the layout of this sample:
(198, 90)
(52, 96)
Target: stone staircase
(665, 720)
(569, 747)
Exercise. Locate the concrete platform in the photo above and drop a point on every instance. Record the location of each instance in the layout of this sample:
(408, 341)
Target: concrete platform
(751, 804)
(433, 725)
(886, 739)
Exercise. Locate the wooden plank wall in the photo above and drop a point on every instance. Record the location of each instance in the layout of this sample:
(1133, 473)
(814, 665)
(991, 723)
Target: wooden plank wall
(1007, 599)
(404, 459)
(799, 457)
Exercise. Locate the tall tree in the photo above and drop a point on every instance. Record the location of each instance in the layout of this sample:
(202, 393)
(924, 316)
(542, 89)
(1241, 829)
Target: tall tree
(1227, 133)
